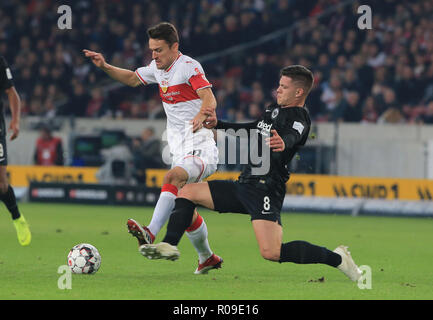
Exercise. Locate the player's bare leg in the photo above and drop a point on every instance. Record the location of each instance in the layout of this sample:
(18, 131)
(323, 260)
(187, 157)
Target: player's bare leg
(269, 237)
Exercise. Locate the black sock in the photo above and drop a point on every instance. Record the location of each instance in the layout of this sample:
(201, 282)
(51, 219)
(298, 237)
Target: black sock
(179, 221)
(304, 252)
(11, 202)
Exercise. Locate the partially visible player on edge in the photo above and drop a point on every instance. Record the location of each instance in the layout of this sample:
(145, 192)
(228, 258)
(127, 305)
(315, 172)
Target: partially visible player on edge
(7, 194)
(285, 127)
(185, 93)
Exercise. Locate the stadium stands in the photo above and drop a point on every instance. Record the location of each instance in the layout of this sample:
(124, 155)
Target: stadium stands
(381, 75)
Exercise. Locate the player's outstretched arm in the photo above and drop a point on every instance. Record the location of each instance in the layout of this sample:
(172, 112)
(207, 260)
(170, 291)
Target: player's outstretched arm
(125, 76)
(213, 123)
(15, 106)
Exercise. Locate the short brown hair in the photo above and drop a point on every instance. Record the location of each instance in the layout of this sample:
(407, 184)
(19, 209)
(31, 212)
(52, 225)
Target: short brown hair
(299, 74)
(164, 31)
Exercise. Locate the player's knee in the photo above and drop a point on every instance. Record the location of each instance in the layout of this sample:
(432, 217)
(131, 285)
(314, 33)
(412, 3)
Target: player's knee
(173, 177)
(270, 254)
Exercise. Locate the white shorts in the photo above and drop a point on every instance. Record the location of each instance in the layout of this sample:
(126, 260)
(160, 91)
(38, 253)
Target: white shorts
(199, 165)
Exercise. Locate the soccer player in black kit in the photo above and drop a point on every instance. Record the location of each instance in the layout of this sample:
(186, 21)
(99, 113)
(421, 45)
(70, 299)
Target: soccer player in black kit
(285, 127)
(7, 194)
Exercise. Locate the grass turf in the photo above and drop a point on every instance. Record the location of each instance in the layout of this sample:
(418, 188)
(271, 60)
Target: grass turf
(396, 249)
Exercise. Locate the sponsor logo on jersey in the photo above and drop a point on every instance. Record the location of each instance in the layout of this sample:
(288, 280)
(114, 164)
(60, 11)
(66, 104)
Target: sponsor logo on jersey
(264, 128)
(164, 86)
(298, 127)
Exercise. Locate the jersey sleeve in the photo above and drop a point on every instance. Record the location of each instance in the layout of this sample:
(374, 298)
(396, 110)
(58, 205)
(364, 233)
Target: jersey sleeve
(236, 126)
(194, 73)
(295, 133)
(147, 74)
(6, 79)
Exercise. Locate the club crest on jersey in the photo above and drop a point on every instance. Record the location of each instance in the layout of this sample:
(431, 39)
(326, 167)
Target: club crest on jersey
(264, 128)
(275, 113)
(164, 86)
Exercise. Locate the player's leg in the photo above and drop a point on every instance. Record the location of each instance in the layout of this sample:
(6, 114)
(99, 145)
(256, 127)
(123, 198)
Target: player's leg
(195, 168)
(199, 167)
(269, 238)
(180, 219)
(183, 214)
(7, 195)
(218, 195)
(173, 180)
(197, 232)
(269, 235)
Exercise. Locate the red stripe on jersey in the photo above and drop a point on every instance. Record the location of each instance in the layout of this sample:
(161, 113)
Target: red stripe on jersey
(144, 82)
(178, 93)
(199, 81)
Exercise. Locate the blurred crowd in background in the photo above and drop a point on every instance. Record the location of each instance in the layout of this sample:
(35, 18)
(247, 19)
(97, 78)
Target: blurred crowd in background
(382, 75)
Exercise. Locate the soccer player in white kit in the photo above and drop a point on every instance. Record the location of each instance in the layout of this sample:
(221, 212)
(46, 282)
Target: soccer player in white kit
(185, 93)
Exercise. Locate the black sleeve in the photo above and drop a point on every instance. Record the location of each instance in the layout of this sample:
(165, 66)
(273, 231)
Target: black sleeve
(5, 75)
(295, 133)
(290, 140)
(236, 126)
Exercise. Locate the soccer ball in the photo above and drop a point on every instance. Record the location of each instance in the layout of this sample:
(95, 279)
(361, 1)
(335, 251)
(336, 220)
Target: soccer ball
(84, 258)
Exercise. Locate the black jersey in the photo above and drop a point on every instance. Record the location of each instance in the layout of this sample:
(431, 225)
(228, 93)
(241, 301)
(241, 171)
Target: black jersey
(6, 80)
(292, 125)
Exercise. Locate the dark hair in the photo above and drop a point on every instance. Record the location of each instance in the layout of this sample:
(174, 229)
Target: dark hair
(164, 31)
(299, 74)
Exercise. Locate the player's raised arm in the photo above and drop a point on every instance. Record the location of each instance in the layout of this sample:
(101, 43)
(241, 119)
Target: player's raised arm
(125, 76)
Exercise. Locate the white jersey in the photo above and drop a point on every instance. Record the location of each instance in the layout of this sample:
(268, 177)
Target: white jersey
(177, 88)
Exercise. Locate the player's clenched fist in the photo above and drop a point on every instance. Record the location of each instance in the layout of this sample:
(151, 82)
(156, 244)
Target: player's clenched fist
(97, 58)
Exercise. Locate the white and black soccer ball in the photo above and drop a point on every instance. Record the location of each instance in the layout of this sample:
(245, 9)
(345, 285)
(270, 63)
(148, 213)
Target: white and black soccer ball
(84, 258)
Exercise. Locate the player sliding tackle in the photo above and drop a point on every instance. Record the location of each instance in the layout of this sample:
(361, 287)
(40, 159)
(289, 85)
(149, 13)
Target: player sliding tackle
(185, 92)
(285, 127)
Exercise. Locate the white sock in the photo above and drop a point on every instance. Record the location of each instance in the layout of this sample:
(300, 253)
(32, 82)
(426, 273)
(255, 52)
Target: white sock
(198, 238)
(163, 208)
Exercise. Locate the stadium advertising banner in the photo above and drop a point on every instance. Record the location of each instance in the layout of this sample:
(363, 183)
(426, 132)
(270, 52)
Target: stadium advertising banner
(336, 186)
(360, 187)
(22, 176)
(93, 194)
(298, 185)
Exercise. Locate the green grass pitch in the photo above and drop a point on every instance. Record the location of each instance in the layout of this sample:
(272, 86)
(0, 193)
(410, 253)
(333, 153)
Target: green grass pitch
(398, 250)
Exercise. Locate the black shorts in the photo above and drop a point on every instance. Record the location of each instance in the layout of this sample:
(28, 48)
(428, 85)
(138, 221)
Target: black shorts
(259, 201)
